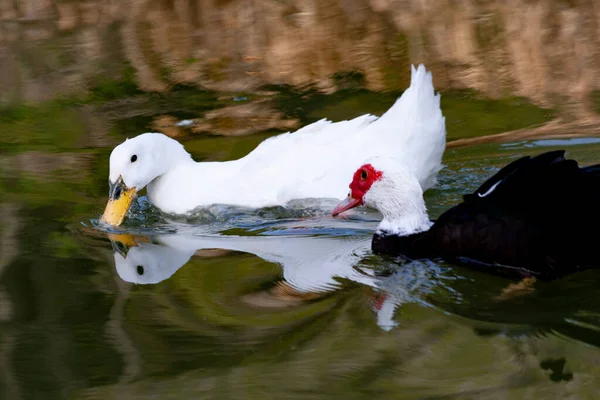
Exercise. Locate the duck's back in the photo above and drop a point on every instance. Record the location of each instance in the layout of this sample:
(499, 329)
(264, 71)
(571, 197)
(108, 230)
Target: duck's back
(541, 214)
(317, 160)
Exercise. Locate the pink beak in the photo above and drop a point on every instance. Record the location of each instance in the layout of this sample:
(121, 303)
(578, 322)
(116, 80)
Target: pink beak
(348, 203)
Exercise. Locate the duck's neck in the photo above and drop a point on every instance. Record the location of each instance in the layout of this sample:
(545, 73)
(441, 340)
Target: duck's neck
(399, 198)
(405, 225)
(169, 154)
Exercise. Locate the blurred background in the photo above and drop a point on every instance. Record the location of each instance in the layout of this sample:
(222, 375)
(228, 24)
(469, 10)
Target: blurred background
(544, 50)
(96, 51)
(78, 77)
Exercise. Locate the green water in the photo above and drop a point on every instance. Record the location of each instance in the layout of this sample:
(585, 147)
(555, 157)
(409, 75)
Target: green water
(272, 303)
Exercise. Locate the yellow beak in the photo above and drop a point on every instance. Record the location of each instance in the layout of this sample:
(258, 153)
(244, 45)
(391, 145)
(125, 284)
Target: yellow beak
(119, 201)
(121, 243)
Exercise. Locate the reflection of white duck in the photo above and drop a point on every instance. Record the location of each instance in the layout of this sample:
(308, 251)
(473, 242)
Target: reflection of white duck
(310, 264)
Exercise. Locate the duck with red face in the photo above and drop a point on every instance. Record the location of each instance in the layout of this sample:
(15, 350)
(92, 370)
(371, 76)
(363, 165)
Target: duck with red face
(361, 183)
(537, 216)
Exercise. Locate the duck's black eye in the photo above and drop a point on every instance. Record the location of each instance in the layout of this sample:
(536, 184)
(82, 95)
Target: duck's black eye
(140, 270)
(133, 158)
(363, 174)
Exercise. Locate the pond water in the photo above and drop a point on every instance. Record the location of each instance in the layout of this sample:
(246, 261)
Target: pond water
(271, 303)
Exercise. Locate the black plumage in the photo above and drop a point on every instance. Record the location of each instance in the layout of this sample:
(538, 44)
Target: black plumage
(537, 216)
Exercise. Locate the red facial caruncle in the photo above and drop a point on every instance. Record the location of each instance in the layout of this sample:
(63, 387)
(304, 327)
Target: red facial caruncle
(363, 179)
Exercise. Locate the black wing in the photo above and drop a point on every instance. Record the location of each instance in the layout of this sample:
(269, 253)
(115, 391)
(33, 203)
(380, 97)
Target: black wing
(538, 213)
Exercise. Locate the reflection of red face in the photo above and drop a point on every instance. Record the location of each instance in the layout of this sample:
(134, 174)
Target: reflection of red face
(377, 300)
(361, 183)
(364, 177)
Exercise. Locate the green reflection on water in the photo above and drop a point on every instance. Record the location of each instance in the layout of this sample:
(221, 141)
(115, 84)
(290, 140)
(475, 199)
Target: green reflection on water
(71, 328)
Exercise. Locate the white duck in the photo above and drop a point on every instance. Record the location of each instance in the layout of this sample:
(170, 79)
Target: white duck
(313, 162)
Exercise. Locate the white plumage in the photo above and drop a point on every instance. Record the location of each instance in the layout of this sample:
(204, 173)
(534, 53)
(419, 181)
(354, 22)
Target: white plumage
(316, 161)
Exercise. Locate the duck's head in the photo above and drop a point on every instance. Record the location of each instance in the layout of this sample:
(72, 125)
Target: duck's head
(148, 263)
(385, 185)
(133, 165)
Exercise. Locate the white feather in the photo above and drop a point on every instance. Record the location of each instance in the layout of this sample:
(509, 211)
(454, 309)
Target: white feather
(316, 161)
(490, 190)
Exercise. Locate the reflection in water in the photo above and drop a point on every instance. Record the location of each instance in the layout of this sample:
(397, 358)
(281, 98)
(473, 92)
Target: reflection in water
(309, 264)
(312, 266)
(536, 333)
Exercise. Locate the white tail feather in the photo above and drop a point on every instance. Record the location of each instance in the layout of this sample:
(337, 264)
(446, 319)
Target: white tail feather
(416, 127)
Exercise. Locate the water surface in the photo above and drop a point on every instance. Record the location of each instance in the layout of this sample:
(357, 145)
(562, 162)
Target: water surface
(273, 303)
